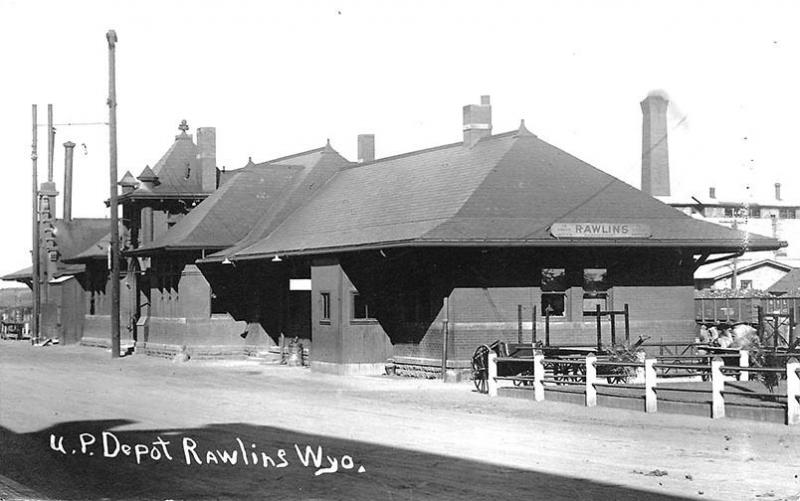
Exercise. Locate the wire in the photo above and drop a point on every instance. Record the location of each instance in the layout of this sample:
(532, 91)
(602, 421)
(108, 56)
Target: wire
(71, 124)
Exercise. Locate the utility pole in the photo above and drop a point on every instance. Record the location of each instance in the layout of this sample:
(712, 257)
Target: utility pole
(111, 37)
(37, 298)
(735, 274)
(47, 213)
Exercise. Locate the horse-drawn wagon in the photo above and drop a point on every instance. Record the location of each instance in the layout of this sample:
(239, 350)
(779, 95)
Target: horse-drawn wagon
(562, 364)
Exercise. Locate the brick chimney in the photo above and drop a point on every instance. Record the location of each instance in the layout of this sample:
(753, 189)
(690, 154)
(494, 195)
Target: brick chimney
(778, 191)
(712, 192)
(655, 152)
(366, 148)
(477, 121)
(207, 157)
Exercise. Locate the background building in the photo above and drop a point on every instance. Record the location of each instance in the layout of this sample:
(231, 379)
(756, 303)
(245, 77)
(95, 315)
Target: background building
(768, 209)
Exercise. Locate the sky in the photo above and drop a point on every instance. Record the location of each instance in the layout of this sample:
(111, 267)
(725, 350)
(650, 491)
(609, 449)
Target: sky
(277, 78)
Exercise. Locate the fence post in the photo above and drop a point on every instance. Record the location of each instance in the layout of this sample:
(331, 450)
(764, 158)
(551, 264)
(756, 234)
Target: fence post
(533, 325)
(613, 328)
(599, 330)
(650, 400)
(744, 361)
(538, 376)
(591, 379)
(792, 391)
(776, 332)
(547, 327)
(717, 386)
(445, 328)
(627, 326)
(491, 382)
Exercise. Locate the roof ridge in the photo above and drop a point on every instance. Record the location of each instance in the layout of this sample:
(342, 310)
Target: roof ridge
(430, 149)
(293, 155)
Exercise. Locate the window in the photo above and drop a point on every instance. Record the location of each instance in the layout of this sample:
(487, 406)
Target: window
(554, 286)
(745, 284)
(595, 289)
(360, 310)
(787, 214)
(325, 307)
(754, 212)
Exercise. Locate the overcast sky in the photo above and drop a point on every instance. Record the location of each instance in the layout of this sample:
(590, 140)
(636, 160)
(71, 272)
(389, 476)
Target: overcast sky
(276, 78)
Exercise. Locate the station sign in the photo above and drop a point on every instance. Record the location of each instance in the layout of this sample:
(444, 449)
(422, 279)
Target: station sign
(299, 284)
(600, 230)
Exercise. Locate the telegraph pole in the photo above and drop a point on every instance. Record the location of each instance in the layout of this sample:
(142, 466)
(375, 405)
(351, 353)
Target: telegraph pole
(111, 37)
(37, 298)
(735, 274)
(47, 213)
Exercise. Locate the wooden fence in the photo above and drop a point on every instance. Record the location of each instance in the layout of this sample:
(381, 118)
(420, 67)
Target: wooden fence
(586, 376)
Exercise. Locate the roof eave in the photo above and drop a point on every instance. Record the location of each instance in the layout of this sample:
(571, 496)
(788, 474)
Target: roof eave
(697, 246)
(158, 196)
(149, 251)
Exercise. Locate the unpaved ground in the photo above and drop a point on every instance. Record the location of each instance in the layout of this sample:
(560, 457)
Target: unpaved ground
(414, 439)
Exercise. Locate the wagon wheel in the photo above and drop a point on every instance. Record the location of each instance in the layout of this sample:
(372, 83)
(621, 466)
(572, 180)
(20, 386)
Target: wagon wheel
(576, 373)
(617, 375)
(525, 373)
(480, 372)
(562, 372)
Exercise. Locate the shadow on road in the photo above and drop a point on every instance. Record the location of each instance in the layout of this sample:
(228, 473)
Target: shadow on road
(388, 473)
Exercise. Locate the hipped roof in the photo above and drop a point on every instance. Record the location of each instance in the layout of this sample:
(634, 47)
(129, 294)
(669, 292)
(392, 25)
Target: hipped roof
(248, 200)
(72, 238)
(171, 172)
(506, 190)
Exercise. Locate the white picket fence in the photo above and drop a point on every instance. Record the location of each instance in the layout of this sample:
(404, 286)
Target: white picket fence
(591, 381)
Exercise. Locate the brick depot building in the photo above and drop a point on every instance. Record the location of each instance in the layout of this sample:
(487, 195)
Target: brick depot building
(67, 289)
(151, 205)
(490, 223)
(249, 203)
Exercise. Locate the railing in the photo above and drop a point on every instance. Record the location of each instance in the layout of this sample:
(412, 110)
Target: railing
(586, 375)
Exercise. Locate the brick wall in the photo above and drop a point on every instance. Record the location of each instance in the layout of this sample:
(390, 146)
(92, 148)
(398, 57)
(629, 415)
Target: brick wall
(484, 290)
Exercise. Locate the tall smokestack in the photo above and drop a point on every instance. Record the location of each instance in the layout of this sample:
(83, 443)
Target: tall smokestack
(477, 121)
(207, 144)
(655, 152)
(69, 148)
(366, 148)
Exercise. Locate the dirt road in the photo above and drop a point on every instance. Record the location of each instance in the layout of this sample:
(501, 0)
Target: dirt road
(68, 415)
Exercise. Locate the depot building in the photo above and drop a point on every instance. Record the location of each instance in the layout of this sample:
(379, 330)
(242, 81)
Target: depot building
(477, 238)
